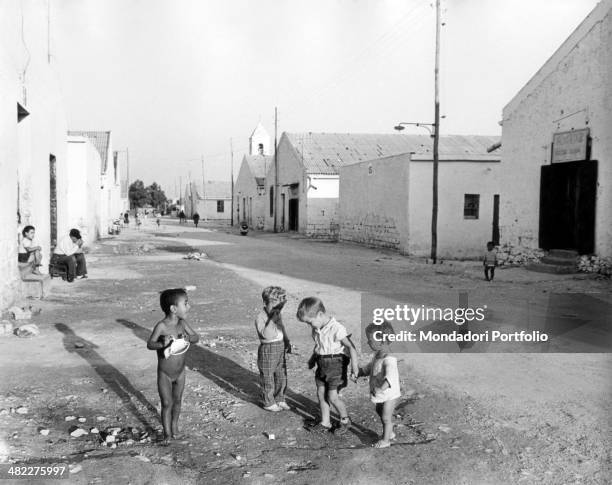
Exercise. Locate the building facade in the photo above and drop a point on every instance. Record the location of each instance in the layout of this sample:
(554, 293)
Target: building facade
(387, 202)
(308, 176)
(32, 137)
(214, 204)
(557, 147)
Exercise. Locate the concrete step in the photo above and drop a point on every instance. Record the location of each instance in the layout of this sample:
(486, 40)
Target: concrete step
(561, 261)
(36, 286)
(551, 268)
(563, 253)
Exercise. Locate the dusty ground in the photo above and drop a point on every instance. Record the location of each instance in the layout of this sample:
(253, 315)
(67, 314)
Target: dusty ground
(486, 418)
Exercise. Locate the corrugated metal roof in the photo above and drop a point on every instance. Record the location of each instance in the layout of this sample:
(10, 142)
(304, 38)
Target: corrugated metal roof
(100, 140)
(214, 190)
(259, 164)
(325, 153)
(461, 148)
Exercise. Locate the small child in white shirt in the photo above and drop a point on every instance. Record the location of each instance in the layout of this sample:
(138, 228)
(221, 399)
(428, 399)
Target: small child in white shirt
(384, 379)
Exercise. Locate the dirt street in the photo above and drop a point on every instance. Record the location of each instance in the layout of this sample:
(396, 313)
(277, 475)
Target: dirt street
(464, 418)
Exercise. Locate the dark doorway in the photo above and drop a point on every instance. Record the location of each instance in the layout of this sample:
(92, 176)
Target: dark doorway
(495, 235)
(53, 199)
(282, 228)
(567, 206)
(294, 205)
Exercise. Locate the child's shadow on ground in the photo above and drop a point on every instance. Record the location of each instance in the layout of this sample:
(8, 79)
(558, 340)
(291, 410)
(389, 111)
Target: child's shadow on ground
(114, 379)
(241, 382)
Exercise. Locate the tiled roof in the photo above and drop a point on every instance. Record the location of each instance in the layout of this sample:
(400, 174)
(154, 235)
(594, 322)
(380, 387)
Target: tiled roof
(214, 190)
(325, 153)
(462, 148)
(259, 164)
(100, 140)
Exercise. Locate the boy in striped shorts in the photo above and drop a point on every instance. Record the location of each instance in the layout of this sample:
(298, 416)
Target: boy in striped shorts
(274, 344)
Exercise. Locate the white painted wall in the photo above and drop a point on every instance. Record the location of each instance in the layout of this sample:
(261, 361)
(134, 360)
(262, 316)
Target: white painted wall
(83, 189)
(25, 147)
(572, 90)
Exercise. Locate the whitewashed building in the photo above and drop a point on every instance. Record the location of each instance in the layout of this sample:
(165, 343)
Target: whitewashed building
(250, 200)
(212, 202)
(81, 190)
(111, 205)
(308, 178)
(32, 137)
(557, 147)
(387, 202)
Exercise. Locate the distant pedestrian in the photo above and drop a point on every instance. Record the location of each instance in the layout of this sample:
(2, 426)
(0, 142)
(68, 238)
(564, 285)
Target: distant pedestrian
(273, 345)
(489, 261)
(182, 217)
(158, 220)
(138, 221)
(384, 379)
(126, 218)
(330, 356)
(196, 219)
(171, 338)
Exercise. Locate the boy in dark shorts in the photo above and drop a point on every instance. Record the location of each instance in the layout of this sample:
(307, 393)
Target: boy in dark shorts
(330, 356)
(171, 368)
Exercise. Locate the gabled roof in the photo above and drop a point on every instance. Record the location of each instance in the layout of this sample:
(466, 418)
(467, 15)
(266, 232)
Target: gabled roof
(461, 148)
(325, 153)
(259, 130)
(214, 189)
(259, 164)
(100, 140)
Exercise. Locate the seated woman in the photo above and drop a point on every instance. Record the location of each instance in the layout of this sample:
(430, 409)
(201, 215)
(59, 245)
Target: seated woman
(29, 255)
(69, 252)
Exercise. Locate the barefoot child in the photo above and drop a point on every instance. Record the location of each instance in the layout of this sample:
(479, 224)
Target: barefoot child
(330, 355)
(384, 379)
(489, 261)
(171, 368)
(274, 344)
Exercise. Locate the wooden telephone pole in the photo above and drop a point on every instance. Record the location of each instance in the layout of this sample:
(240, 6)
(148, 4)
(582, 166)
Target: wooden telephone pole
(436, 141)
(232, 180)
(275, 171)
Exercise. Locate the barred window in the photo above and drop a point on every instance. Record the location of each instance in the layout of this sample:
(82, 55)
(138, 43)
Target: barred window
(220, 206)
(471, 206)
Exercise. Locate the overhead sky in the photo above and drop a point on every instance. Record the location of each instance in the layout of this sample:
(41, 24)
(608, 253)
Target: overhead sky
(175, 80)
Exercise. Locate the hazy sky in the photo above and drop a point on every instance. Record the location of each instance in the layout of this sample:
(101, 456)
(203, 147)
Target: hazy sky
(174, 80)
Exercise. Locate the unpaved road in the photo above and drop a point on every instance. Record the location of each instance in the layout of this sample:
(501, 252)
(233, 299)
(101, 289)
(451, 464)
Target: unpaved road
(486, 418)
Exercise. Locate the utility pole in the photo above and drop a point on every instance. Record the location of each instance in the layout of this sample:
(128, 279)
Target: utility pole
(180, 192)
(232, 181)
(275, 171)
(203, 183)
(436, 141)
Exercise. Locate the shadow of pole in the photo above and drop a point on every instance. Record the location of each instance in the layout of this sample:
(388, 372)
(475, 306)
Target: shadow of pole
(114, 379)
(242, 383)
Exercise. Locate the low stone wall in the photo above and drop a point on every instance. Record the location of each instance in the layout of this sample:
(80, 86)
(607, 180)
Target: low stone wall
(371, 230)
(595, 264)
(323, 231)
(509, 255)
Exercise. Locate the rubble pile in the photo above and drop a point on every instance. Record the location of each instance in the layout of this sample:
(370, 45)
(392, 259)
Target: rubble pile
(508, 255)
(196, 256)
(117, 436)
(595, 264)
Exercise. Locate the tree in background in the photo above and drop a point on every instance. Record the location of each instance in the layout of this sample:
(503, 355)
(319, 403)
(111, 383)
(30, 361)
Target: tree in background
(138, 194)
(156, 195)
(141, 196)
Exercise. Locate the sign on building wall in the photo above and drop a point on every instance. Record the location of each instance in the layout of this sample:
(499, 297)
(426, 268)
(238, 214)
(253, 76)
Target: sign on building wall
(570, 146)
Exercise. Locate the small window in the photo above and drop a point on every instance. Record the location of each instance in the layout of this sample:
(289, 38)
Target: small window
(471, 206)
(220, 206)
(271, 200)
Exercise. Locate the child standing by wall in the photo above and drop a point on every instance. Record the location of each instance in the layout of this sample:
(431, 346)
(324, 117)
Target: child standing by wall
(330, 355)
(384, 379)
(490, 261)
(171, 368)
(273, 345)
